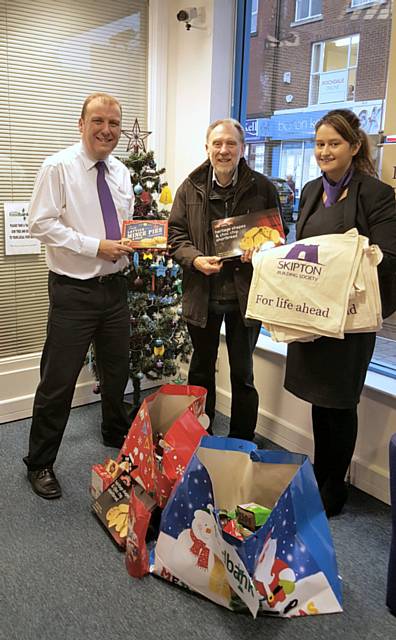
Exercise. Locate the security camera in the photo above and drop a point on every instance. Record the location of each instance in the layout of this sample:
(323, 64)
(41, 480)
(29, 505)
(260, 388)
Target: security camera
(188, 14)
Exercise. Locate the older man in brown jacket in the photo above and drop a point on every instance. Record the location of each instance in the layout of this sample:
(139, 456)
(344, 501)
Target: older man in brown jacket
(214, 290)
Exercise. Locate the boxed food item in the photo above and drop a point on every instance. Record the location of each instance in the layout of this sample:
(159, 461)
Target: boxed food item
(255, 230)
(112, 508)
(252, 515)
(145, 234)
(103, 475)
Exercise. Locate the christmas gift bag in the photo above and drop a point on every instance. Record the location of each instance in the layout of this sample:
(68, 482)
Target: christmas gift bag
(143, 523)
(285, 567)
(163, 436)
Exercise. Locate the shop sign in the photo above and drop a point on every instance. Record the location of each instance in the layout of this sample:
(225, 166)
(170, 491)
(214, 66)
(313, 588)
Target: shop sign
(333, 86)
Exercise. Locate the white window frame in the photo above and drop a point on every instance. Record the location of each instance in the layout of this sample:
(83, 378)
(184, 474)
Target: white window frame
(254, 17)
(309, 16)
(320, 72)
(356, 4)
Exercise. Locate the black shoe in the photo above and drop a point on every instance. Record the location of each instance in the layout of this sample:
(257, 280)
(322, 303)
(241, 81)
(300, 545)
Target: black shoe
(44, 483)
(115, 442)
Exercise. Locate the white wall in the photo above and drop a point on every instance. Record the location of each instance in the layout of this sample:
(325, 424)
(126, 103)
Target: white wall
(199, 90)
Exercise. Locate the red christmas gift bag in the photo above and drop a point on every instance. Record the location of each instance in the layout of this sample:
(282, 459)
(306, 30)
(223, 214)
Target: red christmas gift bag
(163, 436)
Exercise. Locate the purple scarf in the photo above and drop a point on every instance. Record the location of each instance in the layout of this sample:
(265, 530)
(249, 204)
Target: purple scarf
(333, 189)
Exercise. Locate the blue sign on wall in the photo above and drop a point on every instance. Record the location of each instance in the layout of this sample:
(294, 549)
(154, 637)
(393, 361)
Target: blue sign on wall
(285, 126)
(301, 125)
(257, 129)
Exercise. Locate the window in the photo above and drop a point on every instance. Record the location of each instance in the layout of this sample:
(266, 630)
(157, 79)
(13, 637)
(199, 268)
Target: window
(253, 24)
(297, 74)
(53, 55)
(362, 3)
(256, 157)
(308, 9)
(333, 70)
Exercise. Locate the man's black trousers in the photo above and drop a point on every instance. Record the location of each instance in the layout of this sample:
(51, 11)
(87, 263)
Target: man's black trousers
(80, 312)
(241, 341)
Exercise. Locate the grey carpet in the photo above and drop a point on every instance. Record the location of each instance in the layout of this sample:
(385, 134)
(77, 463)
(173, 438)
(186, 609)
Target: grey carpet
(62, 578)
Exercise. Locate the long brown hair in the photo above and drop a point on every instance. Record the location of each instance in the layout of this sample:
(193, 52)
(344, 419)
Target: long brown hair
(347, 125)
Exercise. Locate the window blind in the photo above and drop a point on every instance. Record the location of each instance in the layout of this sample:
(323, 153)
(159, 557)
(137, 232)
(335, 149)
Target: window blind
(53, 53)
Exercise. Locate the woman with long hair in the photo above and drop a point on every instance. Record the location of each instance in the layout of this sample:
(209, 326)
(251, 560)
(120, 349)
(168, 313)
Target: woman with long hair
(330, 373)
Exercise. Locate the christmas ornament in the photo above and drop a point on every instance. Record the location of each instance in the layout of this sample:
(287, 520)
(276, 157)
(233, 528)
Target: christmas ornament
(159, 348)
(178, 285)
(159, 340)
(165, 195)
(145, 197)
(138, 284)
(136, 137)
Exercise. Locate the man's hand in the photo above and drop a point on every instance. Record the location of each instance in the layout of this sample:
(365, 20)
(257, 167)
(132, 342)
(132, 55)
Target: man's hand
(247, 255)
(113, 250)
(208, 264)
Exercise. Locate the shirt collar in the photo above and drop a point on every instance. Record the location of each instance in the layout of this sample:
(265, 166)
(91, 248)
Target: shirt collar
(88, 162)
(233, 181)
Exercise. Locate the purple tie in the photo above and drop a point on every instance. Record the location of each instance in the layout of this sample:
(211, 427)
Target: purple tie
(109, 212)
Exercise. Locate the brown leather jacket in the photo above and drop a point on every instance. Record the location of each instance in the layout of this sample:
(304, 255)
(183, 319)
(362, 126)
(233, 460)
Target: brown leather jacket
(188, 234)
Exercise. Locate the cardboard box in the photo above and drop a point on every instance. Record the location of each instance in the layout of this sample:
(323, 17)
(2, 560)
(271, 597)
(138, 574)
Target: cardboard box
(103, 475)
(145, 234)
(252, 515)
(112, 508)
(259, 229)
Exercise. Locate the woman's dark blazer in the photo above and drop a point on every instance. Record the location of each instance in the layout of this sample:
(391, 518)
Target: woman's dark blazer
(371, 208)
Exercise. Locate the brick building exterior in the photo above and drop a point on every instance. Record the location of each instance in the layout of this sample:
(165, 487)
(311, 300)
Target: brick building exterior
(283, 45)
(281, 113)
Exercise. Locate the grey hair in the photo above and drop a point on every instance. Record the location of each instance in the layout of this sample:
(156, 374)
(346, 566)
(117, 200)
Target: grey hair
(232, 121)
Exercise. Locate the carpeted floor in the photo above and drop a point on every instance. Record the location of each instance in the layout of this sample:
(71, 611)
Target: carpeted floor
(61, 577)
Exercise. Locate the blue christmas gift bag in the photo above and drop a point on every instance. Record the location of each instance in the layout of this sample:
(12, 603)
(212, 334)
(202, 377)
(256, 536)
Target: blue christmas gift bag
(285, 567)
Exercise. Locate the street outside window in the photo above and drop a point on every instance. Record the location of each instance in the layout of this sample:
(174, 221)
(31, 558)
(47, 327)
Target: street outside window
(296, 74)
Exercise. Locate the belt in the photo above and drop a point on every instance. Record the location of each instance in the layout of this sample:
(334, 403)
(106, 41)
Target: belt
(98, 279)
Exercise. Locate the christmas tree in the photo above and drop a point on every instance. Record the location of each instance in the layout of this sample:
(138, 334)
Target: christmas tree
(159, 340)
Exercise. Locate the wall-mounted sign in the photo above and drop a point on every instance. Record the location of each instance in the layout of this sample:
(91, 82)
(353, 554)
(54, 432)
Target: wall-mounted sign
(333, 86)
(300, 125)
(16, 231)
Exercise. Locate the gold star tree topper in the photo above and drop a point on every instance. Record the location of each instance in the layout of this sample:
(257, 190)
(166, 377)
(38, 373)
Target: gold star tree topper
(136, 137)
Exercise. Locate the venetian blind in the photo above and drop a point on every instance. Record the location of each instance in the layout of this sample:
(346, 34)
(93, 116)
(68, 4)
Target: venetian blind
(53, 53)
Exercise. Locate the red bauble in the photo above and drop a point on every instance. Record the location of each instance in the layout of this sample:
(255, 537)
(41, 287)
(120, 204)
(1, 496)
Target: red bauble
(145, 197)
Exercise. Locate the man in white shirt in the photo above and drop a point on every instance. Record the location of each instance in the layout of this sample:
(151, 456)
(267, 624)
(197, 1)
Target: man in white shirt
(87, 291)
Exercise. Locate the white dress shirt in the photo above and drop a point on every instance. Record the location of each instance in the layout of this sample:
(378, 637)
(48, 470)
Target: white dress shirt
(65, 212)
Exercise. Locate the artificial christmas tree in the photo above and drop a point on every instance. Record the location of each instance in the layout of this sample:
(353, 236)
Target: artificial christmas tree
(159, 340)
